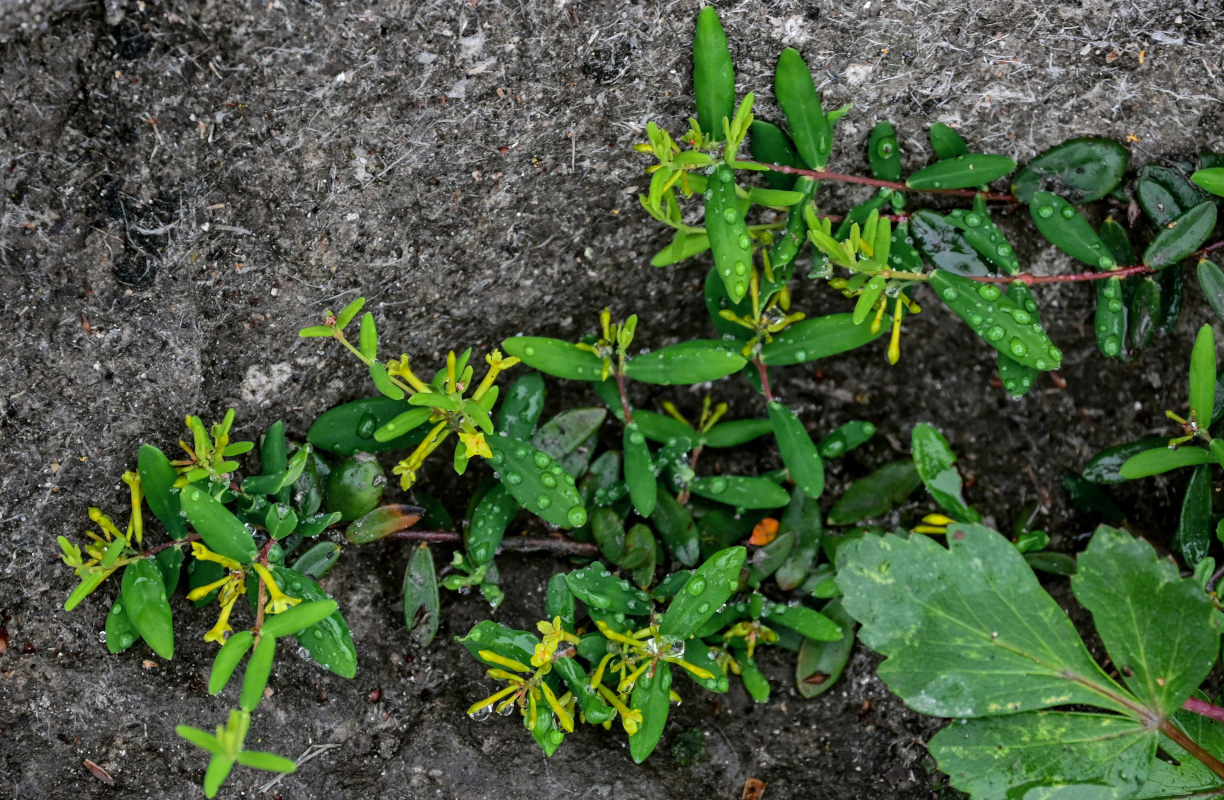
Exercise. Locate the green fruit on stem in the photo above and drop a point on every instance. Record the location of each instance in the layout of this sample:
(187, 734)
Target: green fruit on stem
(355, 486)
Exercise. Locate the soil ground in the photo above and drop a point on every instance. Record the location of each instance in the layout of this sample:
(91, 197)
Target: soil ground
(188, 183)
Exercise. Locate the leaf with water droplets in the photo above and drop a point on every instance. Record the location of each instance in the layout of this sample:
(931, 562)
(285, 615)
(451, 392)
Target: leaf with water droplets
(1110, 320)
(521, 406)
(350, 428)
(1068, 230)
(1182, 236)
(120, 633)
(944, 245)
(328, 641)
(639, 472)
(555, 357)
(1083, 169)
(961, 172)
(676, 527)
(695, 361)
(883, 153)
(537, 482)
(1003, 322)
(157, 478)
(740, 491)
(815, 338)
(796, 94)
(420, 596)
(1164, 194)
(144, 602)
(606, 595)
(730, 243)
(711, 585)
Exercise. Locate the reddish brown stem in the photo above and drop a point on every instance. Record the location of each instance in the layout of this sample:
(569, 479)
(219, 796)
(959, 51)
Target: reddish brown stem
(1203, 708)
(1123, 272)
(1192, 747)
(624, 397)
(760, 365)
(823, 175)
(152, 551)
(518, 544)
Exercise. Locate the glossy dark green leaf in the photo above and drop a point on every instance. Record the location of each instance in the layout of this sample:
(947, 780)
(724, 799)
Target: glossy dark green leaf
(1182, 236)
(711, 585)
(120, 633)
(796, 94)
(521, 406)
(1158, 628)
(1156, 461)
(420, 596)
(537, 482)
(603, 592)
(594, 709)
(845, 438)
(641, 554)
(1106, 466)
(555, 357)
(730, 244)
(258, 670)
(1164, 194)
(677, 529)
(228, 658)
(1211, 179)
(984, 236)
(294, 620)
(687, 362)
(221, 530)
(1082, 170)
(770, 145)
(170, 564)
(713, 75)
(806, 621)
(652, 697)
(875, 494)
(569, 437)
(788, 241)
(1110, 320)
(1068, 230)
(804, 518)
(639, 471)
(1143, 313)
(559, 602)
(350, 428)
(1000, 321)
(157, 478)
(961, 172)
(945, 246)
(946, 142)
(799, 453)
(936, 465)
(737, 432)
(1194, 528)
(318, 560)
(883, 153)
(820, 663)
(328, 642)
(1211, 282)
(144, 602)
(740, 491)
(817, 337)
(382, 522)
(717, 301)
(1053, 563)
(662, 428)
(1018, 378)
(489, 523)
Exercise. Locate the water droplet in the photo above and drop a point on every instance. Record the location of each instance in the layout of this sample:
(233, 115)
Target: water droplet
(1045, 212)
(543, 501)
(520, 453)
(318, 634)
(708, 194)
(696, 586)
(1040, 363)
(480, 553)
(482, 713)
(1105, 262)
(1004, 250)
(989, 291)
(597, 600)
(975, 320)
(549, 481)
(367, 426)
(973, 220)
(1111, 346)
(1115, 305)
(637, 438)
(1055, 353)
(577, 516)
(722, 684)
(117, 608)
(703, 608)
(529, 351)
(950, 294)
(556, 737)
(726, 176)
(801, 355)
(834, 448)
(475, 635)
(542, 460)
(1021, 317)
(741, 268)
(1017, 347)
(728, 215)
(740, 287)
(1067, 212)
(514, 478)
(507, 710)
(995, 333)
(718, 485)
(744, 241)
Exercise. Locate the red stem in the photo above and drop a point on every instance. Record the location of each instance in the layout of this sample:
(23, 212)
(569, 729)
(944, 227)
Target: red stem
(152, 551)
(624, 397)
(760, 365)
(822, 175)
(519, 544)
(1203, 708)
(1029, 280)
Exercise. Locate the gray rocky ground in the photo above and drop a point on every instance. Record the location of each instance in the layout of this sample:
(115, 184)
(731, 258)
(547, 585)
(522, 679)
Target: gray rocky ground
(185, 184)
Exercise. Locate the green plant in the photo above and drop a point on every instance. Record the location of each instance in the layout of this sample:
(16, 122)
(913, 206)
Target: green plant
(878, 252)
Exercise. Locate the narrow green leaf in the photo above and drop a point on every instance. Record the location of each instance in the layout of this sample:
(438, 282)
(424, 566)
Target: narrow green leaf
(737, 432)
(1083, 170)
(817, 337)
(639, 473)
(1211, 281)
(1156, 461)
(875, 494)
(820, 663)
(157, 478)
(662, 428)
(216, 772)
(961, 172)
(1068, 230)
(1203, 376)
(740, 491)
(713, 74)
(537, 482)
(383, 383)
(1143, 312)
(804, 518)
(883, 153)
(809, 623)
(349, 313)
(420, 594)
(294, 620)
(328, 642)
(773, 198)
(555, 357)
(1164, 194)
(984, 236)
(606, 595)
(968, 630)
(753, 679)
(944, 245)
(684, 245)
(946, 142)
(687, 362)
(199, 738)
(796, 94)
(730, 244)
(652, 696)
(144, 601)
(521, 406)
(677, 529)
(1182, 236)
(316, 332)
(1159, 628)
(1106, 466)
(867, 299)
(120, 633)
(227, 659)
(1110, 320)
(711, 585)
(382, 522)
(490, 520)
(367, 343)
(1194, 528)
(936, 465)
(799, 454)
(258, 759)
(1211, 179)
(845, 438)
(1000, 321)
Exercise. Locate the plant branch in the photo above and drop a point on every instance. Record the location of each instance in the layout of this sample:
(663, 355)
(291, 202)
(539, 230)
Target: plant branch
(624, 397)
(152, 551)
(1192, 747)
(1029, 280)
(1203, 708)
(760, 365)
(823, 175)
(556, 545)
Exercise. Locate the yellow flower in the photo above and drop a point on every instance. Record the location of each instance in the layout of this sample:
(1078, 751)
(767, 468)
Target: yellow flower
(202, 553)
(222, 629)
(475, 444)
(278, 601)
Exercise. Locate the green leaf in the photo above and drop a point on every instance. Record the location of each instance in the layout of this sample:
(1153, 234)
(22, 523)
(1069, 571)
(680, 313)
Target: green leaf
(258, 669)
(402, 424)
(609, 533)
(802, 517)
(218, 770)
(817, 337)
(796, 94)
(1187, 777)
(605, 594)
(774, 198)
(685, 363)
(961, 172)
(936, 465)
(967, 631)
(316, 332)
(1211, 179)
(1182, 237)
(368, 341)
(753, 679)
(820, 663)
(157, 479)
(351, 427)
(1158, 460)
(883, 154)
(737, 432)
(871, 292)
(227, 659)
(258, 759)
(490, 520)
(1203, 376)
(420, 593)
(1157, 627)
(769, 145)
(684, 245)
(662, 428)
(845, 438)
(945, 246)
(766, 560)
(1143, 311)
(381, 522)
(199, 738)
(144, 601)
(1083, 170)
(730, 244)
(676, 528)
(740, 491)
(349, 313)
(1164, 194)
(1110, 320)
(537, 482)
(1106, 466)
(713, 75)
(651, 696)
(1068, 230)
(294, 620)
(521, 406)
(1211, 281)
(555, 357)
(799, 454)
(875, 494)
(641, 552)
(328, 642)
(1194, 528)
(998, 319)
(984, 236)
(807, 622)
(946, 142)
(383, 383)
(120, 633)
(711, 585)
(788, 241)
(1069, 756)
